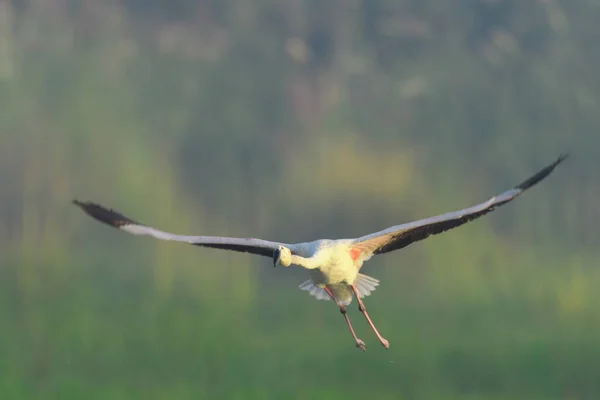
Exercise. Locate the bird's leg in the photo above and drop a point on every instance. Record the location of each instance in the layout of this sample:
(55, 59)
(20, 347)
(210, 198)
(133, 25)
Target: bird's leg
(359, 343)
(362, 309)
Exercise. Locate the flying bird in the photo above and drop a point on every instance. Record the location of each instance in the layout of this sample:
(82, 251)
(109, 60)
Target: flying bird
(333, 265)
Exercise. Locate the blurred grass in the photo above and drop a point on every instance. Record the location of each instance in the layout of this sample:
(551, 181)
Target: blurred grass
(203, 123)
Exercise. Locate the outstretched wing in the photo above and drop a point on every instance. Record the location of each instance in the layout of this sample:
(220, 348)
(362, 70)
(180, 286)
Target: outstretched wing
(399, 236)
(116, 220)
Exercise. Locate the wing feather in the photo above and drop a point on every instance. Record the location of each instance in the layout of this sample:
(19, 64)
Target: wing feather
(119, 221)
(399, 236)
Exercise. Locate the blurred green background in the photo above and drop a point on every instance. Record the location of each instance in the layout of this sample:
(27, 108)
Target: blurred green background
(294, 120)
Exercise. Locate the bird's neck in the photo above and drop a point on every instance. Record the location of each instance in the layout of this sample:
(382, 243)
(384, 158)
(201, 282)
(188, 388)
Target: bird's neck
(308, 263)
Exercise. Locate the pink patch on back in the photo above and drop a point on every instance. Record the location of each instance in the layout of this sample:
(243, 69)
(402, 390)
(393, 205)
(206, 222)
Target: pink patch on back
(354, 254)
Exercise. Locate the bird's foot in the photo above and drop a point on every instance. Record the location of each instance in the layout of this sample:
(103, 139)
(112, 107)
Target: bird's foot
(361, 345)
(385, 343)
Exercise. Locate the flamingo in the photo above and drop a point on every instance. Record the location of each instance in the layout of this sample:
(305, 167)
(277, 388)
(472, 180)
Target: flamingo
(333, 265)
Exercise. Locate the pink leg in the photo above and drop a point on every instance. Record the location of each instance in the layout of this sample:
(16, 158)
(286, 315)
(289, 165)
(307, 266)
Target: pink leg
(363, 310)
(359, 343)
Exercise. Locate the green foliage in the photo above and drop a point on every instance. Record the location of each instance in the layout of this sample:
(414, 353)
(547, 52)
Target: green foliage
(295, 120)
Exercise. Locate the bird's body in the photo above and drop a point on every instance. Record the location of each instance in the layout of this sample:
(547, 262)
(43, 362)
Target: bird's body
(336, 268)
(333, 265)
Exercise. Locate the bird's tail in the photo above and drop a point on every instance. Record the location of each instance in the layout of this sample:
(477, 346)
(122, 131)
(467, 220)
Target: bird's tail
(364, 283)
(317, 292)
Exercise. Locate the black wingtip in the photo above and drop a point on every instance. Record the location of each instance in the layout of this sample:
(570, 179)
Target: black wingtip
(542, 174)
(104, 215)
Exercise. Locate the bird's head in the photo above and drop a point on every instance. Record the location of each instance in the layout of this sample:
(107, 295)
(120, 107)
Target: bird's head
(282, 256)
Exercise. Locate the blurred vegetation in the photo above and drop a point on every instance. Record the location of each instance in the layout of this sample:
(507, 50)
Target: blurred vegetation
(296, 120)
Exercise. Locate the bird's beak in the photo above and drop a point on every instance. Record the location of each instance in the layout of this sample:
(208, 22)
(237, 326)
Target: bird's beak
(276, 254)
